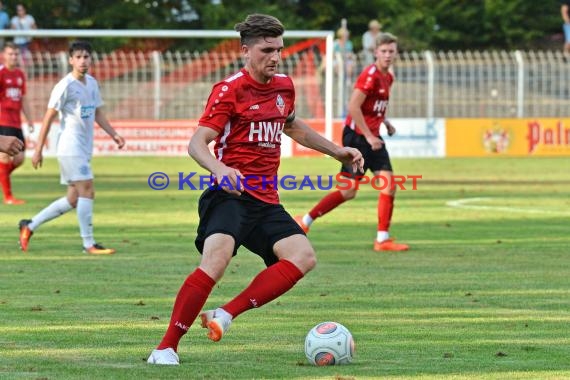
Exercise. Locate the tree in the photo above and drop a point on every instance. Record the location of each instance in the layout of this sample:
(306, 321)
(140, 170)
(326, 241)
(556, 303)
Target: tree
(419, 24)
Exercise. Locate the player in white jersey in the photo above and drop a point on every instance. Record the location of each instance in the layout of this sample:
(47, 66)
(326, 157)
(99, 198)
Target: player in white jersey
(77, 100)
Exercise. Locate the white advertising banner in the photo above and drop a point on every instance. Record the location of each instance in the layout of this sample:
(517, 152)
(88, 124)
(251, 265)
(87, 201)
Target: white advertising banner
(144, 138)
(416, 138)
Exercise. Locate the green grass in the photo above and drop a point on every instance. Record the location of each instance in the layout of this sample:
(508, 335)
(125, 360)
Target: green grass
(482, 294)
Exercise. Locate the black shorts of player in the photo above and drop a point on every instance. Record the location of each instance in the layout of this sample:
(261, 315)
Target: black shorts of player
(11, 131)
(252, 223)
(375, 160)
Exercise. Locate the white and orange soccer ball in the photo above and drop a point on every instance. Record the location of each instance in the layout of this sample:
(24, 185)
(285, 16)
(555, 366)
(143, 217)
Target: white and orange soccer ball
(329, 343)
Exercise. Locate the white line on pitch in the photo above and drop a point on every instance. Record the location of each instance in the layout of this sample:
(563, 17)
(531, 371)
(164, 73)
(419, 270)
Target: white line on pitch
(466, 203)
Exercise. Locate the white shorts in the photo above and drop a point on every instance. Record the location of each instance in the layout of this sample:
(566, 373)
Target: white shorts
(73, 169)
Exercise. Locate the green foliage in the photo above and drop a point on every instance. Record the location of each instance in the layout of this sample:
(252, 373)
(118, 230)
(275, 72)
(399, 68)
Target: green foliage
(420, 24)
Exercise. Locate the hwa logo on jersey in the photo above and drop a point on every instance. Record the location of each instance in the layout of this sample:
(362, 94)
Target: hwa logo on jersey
(14, 93)
(266, 133)
(280, 103)
(254, 107)
(380, 107)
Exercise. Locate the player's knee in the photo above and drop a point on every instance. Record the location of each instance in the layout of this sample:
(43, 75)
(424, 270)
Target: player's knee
(215, 264)
(311, 262)
(18, 160)
(306, 260)
(349, 193)
(72, 201)
(391, 191)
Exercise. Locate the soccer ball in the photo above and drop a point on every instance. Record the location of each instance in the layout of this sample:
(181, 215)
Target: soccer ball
(329, 343)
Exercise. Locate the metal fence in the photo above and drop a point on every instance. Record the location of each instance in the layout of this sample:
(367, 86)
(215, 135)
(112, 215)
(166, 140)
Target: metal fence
(175, 85)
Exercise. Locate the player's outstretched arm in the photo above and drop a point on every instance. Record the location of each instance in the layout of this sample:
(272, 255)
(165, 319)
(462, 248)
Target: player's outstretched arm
(199, 151)
(38, 158)
(299, 131)
(103, 122)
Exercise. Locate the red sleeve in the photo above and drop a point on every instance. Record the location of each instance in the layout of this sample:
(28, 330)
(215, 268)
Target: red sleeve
(220, 107)
(365, 82)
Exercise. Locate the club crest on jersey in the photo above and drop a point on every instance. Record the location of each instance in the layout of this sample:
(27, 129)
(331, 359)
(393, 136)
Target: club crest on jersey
(280, 103)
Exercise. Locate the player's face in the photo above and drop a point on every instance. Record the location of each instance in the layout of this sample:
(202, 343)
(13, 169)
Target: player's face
(385, 55)
(11, 57)
(80, 61)
(263, 57)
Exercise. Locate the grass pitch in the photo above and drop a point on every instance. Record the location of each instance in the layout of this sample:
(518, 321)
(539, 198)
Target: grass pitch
(482, 294)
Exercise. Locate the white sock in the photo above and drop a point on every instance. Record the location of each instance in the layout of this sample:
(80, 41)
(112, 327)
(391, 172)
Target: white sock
(85, 218)
(221, 313)
(307, 220)
(55, 209)
(382, 235)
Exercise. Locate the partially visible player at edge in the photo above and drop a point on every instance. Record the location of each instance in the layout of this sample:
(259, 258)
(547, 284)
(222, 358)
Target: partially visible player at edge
(367, 111)
(13, 102)
(246, 115)
(77, 100)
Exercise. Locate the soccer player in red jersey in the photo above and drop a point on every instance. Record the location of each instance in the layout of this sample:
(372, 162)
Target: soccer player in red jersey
(367, 111)
(246, 115)
(12, 102)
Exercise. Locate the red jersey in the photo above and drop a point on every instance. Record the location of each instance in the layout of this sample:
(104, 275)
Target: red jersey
(376, 85)
(12, 89)
(249, 117)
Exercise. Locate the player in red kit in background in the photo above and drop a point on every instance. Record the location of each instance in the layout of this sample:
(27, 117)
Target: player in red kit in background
(367, 111)
(12, 102)
(246, 115)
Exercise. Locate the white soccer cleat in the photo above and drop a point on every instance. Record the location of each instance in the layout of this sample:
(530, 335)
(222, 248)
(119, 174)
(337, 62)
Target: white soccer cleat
(205, 317)
(163, 357)
(217, 325)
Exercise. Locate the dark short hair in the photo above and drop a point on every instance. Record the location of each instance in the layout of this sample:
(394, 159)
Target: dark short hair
(80, 46)
(258, 26)
(386, 38)
(10, 45)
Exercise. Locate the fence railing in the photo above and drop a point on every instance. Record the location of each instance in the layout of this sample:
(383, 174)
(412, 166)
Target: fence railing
(175, 85)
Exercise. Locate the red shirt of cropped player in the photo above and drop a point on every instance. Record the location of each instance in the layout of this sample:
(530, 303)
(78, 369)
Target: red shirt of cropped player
(375, 85)
(12, 90)
(12, 103)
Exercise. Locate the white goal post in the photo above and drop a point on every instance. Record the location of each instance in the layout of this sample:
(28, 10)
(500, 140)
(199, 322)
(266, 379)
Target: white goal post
(142, 33)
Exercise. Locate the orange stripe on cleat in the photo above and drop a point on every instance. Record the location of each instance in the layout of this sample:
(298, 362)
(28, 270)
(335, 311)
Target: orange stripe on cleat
(215, 331)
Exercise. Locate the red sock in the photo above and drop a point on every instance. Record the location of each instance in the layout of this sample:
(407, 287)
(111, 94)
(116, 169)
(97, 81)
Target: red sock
(328, 203)
(269, 284)
(189, 301)
(11, 167)
(5, 170)
(385, 207)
